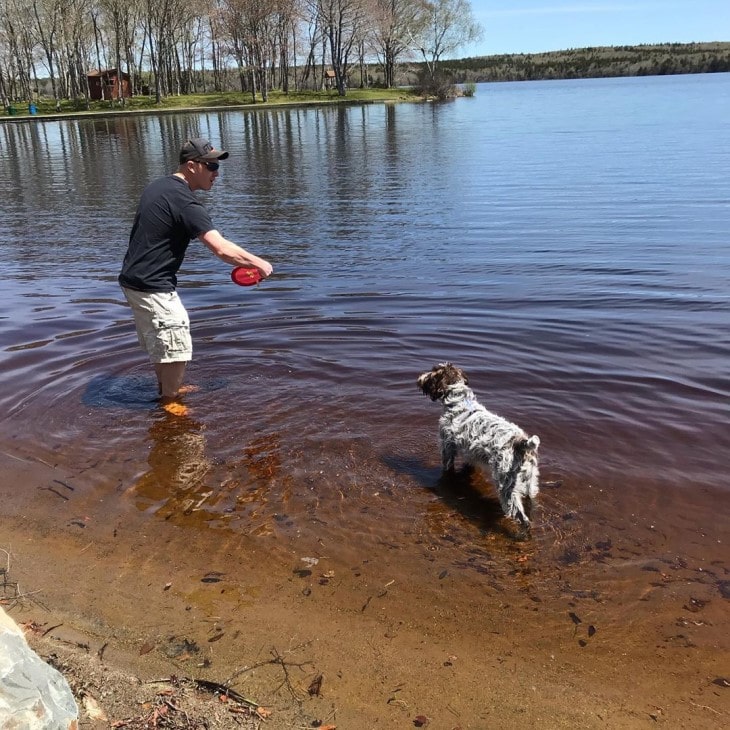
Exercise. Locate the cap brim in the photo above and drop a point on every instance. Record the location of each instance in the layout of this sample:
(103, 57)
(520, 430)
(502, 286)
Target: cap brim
(215, 155)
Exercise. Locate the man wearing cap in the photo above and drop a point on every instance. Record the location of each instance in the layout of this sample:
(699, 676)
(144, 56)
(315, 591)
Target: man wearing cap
(168, 217)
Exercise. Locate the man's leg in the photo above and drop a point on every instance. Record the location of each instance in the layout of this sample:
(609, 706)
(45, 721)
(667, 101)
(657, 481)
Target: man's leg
(169, 378)
(163, 329)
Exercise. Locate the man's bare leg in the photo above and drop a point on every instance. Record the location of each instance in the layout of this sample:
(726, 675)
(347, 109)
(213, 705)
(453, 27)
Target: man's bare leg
(169, 379)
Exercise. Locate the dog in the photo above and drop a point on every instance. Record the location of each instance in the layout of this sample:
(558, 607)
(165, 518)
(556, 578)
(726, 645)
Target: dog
(485, 439)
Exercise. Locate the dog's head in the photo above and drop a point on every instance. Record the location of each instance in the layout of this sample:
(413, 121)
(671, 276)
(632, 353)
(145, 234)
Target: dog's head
(439, 378)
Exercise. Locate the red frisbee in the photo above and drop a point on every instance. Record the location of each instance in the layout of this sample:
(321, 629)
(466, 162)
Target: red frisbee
(245, 275)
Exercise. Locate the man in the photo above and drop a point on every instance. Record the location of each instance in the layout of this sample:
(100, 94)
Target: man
(168, 217)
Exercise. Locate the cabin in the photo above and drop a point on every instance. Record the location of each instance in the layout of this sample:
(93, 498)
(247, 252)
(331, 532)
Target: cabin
(330, 79)
(107, 84)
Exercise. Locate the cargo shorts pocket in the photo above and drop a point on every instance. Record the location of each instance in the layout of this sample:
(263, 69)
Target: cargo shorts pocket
(171, 341)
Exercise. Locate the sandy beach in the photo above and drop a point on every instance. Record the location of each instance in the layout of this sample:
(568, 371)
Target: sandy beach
(122, 606)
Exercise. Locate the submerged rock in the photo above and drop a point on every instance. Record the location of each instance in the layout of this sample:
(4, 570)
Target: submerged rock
(33, 695)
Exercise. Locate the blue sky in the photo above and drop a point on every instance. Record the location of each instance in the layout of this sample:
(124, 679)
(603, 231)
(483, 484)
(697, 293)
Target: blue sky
(529, 26)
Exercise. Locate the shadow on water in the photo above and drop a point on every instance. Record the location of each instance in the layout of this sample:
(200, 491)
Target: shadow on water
(131, 392)
(464, 491)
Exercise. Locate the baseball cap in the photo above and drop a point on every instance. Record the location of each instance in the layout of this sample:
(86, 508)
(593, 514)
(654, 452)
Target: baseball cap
(200, 149)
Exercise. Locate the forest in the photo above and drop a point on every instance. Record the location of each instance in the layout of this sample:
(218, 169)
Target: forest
(581, 63)
(180, 47)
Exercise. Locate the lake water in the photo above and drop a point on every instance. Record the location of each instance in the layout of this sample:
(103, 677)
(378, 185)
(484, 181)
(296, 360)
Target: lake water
(566, 243)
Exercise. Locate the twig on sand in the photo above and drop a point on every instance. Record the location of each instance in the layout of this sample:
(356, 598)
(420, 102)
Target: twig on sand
(35, 459)
(278, 659)
(217, 688)
(168, 708)
(705, 707)
(6, 584)
(10, 593)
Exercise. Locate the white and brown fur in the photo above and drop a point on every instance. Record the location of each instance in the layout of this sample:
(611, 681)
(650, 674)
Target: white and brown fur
(484, 438)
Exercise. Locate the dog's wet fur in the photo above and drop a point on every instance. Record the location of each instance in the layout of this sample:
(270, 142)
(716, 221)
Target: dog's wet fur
(483, 438)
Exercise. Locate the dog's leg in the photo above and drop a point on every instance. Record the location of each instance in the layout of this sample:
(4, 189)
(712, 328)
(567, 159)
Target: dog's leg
(448, 450)
(517, 509)
(510, 498)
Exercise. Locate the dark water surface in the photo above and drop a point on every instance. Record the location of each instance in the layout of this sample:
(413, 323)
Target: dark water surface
(564, 242)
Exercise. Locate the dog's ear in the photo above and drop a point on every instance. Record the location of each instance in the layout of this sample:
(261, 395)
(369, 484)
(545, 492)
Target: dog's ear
(430, 383)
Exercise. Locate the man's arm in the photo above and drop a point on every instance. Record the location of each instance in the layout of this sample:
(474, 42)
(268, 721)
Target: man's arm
(233, 254)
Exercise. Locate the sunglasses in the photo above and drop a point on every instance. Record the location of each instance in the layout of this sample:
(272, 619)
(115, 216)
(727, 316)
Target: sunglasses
(210, 166)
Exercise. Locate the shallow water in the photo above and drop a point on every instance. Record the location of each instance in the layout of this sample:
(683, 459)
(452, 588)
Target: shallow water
(564, 242)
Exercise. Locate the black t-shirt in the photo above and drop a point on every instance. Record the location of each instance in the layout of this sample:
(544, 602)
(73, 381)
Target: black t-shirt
(168, 217)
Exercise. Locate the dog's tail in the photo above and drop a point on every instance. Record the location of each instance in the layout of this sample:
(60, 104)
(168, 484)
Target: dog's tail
(532, 443)
(529, 470)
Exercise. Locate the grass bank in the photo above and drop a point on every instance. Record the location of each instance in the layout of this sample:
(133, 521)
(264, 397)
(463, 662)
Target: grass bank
(46, 108)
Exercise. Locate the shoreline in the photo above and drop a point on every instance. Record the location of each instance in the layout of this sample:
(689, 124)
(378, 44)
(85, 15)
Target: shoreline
(260, 106)
(127, 602)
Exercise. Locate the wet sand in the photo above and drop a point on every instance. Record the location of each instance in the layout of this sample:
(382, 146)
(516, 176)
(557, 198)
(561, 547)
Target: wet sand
(617, 632)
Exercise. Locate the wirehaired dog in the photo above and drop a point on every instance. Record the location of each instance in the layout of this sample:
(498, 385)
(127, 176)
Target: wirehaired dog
(483, 438)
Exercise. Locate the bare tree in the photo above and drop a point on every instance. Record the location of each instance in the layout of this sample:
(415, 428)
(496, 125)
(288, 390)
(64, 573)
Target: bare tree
(342, 20)
(311, 19)
(16, 51)
(234, 27)
(450, 24)
(394, 23)
(47, 15)
(77, 38)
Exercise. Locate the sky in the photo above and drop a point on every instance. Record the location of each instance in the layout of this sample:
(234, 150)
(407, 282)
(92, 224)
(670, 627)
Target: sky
(531, 26)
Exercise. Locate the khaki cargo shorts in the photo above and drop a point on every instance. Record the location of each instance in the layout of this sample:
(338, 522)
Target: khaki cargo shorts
(163, 326)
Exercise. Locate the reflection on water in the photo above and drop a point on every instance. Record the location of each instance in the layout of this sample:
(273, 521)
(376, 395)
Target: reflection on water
(575, 266)
(182, 480)
(177, 467)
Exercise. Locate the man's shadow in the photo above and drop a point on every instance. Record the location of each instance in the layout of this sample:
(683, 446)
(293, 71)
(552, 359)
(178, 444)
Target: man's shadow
(131, 392)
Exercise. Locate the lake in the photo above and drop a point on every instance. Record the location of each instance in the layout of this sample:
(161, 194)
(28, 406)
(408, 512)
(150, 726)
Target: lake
(566, 243)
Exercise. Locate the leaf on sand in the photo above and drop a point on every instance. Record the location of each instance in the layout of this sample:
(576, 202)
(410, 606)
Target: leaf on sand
(93, 710)
(315, 686)
(212, 577)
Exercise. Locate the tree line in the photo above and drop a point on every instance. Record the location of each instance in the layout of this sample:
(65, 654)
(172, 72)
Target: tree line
(170, 47)
(579, 63)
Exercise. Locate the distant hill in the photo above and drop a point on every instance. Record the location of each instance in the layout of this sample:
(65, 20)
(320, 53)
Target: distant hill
(583, 63)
